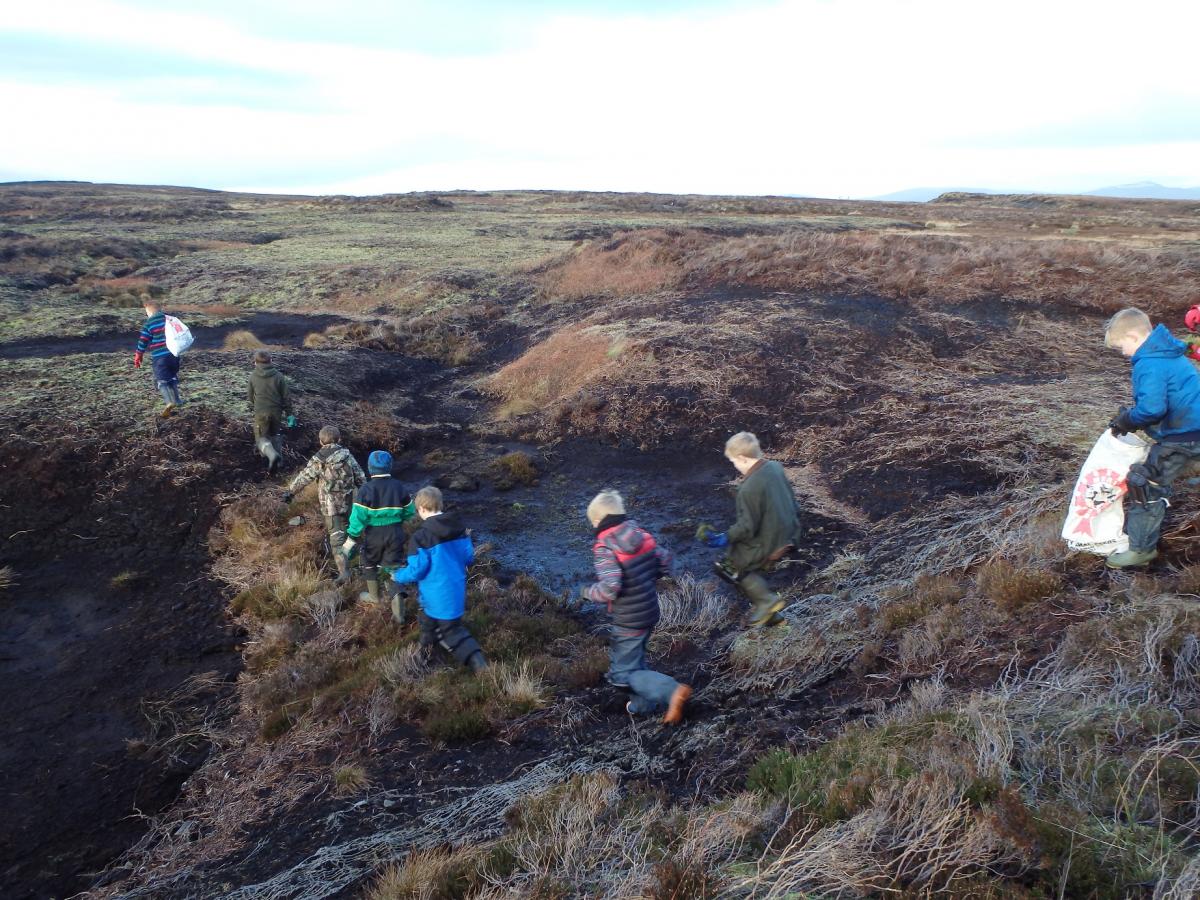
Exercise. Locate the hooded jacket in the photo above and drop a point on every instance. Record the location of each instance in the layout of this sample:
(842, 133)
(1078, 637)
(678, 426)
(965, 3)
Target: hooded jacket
(438, 555)
(628, 562)
(382, 500)
(767, 519)
(269, 392)
(337, 473)
(1166, 389)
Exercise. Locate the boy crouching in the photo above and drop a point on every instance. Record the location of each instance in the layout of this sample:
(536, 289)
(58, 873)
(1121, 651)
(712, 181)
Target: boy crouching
(439, 553)
(628, 563)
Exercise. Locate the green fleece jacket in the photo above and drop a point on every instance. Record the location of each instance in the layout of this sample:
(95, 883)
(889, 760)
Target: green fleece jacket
(269, 392)
(767, 518)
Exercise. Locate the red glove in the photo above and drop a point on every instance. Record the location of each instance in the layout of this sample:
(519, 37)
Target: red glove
(1192, 319)
(137, 359)
(1193, 352)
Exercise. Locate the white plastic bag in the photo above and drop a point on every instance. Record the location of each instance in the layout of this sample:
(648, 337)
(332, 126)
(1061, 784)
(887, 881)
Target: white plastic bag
(1096, 520)
(178, 336)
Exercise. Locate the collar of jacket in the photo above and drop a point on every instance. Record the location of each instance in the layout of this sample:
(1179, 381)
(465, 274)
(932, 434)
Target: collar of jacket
(754, 468)
(610, 521)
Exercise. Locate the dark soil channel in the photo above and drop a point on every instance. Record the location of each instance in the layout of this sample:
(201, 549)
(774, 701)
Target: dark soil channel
(113, 606)
(276, 329)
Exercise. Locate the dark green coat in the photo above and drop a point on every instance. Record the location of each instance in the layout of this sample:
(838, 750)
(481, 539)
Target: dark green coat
(269, 393)
(767, 518)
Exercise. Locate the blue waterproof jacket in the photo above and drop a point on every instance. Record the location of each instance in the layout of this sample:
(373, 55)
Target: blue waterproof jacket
(1166, 389)
(438, 555)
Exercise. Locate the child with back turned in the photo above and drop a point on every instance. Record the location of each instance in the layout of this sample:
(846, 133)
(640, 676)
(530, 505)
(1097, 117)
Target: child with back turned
(628, 563)
(439, 553)
(1166, 405)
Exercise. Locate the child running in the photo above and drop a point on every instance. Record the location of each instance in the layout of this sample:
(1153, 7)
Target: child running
(629, 562)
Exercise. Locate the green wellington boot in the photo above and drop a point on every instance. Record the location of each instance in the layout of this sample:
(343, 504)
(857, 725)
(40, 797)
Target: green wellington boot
(371, 594)
(766, 601)
(1128, 559)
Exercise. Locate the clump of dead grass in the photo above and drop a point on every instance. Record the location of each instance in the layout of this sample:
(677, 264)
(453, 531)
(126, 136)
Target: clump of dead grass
(350, 779)
(1012, 586)
(553, 370)
(242, 339)
(8, 577)
(512, 469)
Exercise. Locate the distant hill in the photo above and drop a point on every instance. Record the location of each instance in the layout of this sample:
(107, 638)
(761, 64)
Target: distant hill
(924, 194)
(1147, 190)
(1141, 190)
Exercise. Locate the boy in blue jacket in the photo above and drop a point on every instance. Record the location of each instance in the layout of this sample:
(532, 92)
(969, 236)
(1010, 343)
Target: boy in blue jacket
(1166, 405)
(438, 555)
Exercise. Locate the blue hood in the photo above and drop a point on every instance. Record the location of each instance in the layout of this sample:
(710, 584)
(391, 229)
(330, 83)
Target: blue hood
(1161, 345)
(1166, 389)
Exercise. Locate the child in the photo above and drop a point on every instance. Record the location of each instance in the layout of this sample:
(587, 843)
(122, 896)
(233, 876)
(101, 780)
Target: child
(165, 363)
(270, 401)
(337, 474)
(381, 507)
(438, 555)
(766, 530)
(1166, 404)
(628, 563)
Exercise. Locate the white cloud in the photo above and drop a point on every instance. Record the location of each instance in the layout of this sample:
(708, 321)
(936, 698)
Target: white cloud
(825, 98)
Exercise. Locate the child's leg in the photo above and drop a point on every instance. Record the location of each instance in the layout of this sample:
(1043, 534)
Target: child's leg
(1144, 516)
(626, 654)
(652, 690)
(336, 526)
(460, 643)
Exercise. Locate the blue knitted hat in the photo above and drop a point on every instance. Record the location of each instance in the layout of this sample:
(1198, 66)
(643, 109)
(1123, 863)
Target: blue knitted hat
(379, 462)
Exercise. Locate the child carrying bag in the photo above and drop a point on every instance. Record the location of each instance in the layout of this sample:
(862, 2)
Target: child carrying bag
(1096, 519)
(178, 336)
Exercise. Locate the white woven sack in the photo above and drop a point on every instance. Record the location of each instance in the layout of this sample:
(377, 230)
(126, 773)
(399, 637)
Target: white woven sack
(178, 336)
(1096, 519)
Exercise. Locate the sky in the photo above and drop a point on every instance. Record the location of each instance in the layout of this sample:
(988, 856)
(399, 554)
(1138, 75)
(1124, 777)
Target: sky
(829, 98)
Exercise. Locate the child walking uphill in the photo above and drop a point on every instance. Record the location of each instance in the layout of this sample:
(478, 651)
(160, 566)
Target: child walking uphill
(439, 553)
(337, 474)
(1166, 405)
(270, 400)
(153, 339)
(766, 530)
(628, 563)
(381, 507)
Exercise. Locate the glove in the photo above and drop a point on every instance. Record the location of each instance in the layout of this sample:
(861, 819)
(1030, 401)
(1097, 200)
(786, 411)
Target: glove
(137, 359)
(1192, 319)
(348, 548)
(710, 538)
(291, 422)
(288, 496)
(1121, 423)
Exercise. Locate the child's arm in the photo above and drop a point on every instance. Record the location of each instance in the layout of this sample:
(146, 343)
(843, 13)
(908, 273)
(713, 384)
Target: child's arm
(666, 559)
(304, 477)
(416, 568)
(358, 520)
(608, 577)
(285, 395)
(359, 477)
(1149, 398)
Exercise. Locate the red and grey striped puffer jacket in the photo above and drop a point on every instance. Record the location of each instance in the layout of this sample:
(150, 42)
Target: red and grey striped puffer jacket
(628, 563)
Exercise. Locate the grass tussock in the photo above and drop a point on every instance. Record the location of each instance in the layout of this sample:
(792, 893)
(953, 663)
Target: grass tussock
(8, 578)
(349, 780)
(556, 369)
(242, 339)
(513, 469)
(1012, 586)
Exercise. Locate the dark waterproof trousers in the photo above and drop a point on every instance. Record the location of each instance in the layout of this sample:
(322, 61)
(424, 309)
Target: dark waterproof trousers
(453, 637)
(1143, 520)
(166, 377)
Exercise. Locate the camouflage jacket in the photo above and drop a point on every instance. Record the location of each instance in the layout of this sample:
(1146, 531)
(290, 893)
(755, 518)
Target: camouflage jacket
(338, 475)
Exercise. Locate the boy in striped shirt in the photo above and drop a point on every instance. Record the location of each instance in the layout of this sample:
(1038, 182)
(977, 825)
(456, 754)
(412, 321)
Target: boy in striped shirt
(166, 364)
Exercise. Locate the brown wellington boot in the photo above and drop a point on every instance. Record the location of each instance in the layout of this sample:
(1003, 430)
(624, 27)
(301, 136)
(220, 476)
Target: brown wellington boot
(343, 568)
(675, 708)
